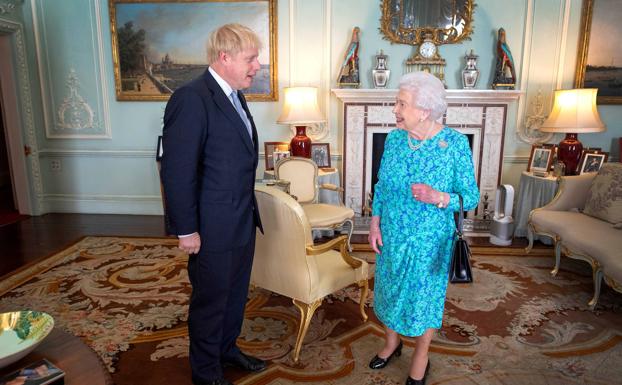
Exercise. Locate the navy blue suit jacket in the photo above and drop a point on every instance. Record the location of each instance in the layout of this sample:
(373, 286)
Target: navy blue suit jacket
(208, 167)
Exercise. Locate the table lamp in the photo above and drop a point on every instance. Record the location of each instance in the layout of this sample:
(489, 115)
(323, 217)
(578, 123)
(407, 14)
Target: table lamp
(300, 109)
(574, 112)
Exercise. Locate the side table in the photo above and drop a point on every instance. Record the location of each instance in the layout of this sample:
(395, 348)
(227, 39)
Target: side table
(80, 364)
(533, 192)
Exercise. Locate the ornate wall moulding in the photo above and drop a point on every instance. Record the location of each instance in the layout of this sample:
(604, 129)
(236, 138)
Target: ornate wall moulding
(8, 6)
(74, 113)
(530, 131)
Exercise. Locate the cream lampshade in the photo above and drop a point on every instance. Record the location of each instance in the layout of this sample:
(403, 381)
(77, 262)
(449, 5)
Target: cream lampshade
(300, 108)
(574, 111)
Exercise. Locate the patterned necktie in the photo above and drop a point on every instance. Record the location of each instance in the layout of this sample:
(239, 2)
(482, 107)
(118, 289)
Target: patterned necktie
(241, 112)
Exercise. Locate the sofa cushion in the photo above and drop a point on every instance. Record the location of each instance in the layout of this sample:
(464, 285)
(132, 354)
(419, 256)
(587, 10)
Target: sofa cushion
(604, 200)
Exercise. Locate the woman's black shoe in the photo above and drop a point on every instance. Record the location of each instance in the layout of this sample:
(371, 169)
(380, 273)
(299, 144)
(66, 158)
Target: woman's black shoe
(412, 381)
(379, 363)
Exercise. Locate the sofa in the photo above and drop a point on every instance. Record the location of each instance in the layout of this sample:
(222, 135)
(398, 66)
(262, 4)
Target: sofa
(584, 219)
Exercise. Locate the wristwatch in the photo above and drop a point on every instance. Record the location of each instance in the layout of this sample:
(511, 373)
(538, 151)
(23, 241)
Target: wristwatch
(440, 203)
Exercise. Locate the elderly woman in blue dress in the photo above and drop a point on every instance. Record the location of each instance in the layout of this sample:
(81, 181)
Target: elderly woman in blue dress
(425, 167)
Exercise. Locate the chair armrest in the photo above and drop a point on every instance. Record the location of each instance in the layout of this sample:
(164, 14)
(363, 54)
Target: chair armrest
(572, 192)
(341, 242)
(331, 187)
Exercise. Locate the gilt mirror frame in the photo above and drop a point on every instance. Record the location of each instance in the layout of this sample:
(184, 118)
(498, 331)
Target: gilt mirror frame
(416, 35)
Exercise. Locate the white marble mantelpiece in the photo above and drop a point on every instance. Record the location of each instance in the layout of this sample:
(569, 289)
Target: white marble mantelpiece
(354, 95)
(480, 113)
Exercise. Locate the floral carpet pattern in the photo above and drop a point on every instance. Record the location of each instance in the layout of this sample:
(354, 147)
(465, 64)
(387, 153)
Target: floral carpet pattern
(127, 299)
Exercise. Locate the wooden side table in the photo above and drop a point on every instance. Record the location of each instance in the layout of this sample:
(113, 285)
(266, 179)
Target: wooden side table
(80, 364)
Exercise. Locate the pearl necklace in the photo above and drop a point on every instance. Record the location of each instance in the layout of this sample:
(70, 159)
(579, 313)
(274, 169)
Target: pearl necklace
(415, 147)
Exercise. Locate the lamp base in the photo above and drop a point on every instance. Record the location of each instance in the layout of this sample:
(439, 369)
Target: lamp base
(301, 143)
(569, 153)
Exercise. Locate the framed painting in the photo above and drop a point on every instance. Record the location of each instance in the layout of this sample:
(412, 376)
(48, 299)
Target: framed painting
(540, 159)
(592, 161)
(159, 45)
(320, 153)
(272, 149)
(599, 64)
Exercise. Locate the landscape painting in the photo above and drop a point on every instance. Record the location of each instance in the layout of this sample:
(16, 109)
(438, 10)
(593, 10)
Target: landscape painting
(160, 45)
(600, 58)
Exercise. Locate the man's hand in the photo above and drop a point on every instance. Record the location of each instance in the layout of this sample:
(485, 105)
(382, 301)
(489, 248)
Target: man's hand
(191, 244)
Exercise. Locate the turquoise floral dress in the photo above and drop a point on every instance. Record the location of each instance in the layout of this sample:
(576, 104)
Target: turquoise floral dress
(412, 269)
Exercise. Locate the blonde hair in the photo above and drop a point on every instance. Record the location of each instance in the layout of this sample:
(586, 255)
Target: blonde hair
(231, 38)
(428, 92)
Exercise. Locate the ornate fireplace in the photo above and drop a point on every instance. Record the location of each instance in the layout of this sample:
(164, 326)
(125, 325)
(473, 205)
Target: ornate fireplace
(480, 114)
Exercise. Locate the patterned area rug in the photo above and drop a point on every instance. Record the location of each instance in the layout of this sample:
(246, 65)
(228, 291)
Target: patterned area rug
(127, 298)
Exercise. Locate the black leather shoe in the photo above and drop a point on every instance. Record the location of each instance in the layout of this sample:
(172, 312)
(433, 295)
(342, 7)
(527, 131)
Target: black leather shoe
(379, 363)
(219, 381)
(245, 362)
(412, 381)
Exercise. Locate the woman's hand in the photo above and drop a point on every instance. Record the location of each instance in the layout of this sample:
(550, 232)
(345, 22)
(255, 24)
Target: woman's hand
(375, 237)
(426, 194)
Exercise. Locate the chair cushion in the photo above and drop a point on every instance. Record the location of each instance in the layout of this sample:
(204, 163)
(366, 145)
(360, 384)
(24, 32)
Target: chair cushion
(604, 200)
(325, 215)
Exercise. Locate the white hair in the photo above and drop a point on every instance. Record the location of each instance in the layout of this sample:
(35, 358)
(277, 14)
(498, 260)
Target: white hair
(428, 92)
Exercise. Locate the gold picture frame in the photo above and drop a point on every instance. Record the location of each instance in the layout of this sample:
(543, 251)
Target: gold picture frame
(593, 70)
(153, 55)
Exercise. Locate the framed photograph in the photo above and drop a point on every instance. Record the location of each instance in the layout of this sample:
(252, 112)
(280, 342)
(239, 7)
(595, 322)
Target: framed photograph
(320, 153)
(591, 161)
(159, 149)
(269, 152)
(598, 61)
(41, 372)
(540, 159)
(554, 147)
(159, 45)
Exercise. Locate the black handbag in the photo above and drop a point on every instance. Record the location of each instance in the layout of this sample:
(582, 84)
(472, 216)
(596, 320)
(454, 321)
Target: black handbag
(460, 268)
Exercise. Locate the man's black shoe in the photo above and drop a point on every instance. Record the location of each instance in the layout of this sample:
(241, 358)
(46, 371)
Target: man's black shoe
(245, 362)
(220, 381)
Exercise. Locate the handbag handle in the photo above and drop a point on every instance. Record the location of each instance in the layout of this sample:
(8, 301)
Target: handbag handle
(459, 218)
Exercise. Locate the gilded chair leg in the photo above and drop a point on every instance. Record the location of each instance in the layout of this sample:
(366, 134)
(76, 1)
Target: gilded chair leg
(364, 285)
(558, 257)
(530, 237)
(350, 231)
(306, 313)
(597, 276)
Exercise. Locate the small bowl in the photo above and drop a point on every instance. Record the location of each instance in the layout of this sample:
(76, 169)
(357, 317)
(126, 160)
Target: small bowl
(21, 332)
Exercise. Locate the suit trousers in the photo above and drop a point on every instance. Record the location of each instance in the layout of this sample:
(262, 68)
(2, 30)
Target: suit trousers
(220, 283)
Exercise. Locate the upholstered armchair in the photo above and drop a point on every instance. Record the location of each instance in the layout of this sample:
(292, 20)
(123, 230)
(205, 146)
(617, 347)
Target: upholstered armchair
(288, 263)
(302, 173)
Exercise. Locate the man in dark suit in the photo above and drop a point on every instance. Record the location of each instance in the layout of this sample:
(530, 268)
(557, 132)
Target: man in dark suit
(208, 173)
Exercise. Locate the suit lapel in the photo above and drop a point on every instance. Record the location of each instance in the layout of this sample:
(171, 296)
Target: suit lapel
(224, 104)
(253, 128)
